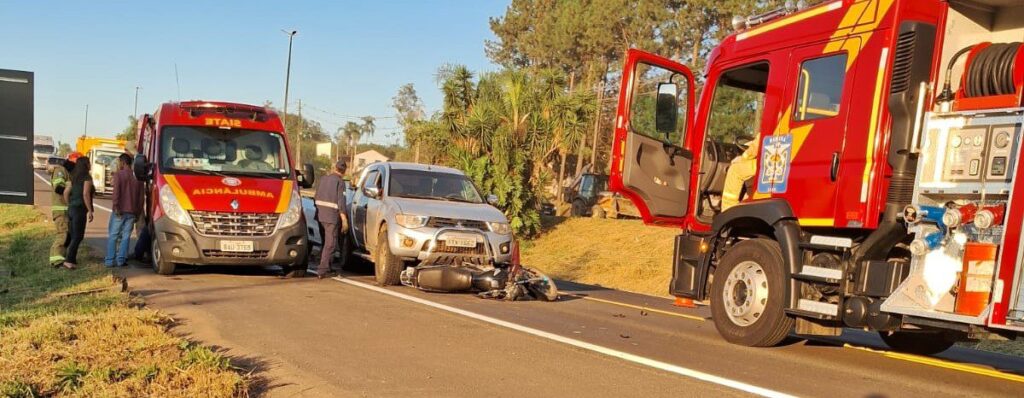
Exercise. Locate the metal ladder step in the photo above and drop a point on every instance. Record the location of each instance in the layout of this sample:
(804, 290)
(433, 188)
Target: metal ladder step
(810, 273)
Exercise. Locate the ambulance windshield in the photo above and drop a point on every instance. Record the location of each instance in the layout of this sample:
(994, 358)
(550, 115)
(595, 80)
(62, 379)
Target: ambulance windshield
(210, 150)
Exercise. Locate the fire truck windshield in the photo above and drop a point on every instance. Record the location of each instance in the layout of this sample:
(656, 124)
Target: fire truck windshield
(206, 150)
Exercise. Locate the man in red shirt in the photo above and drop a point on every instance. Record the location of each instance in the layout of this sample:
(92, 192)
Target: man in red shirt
(127, 205)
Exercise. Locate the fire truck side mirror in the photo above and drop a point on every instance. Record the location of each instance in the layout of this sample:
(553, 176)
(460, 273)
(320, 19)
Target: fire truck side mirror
(307, 177)
(141, 168)
(667, 109)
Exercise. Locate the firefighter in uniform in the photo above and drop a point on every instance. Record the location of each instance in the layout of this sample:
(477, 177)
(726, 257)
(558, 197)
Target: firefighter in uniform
(59, 209)
(742, 169)
(331, 212)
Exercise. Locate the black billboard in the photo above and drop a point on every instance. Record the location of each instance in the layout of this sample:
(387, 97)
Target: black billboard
(16, 137)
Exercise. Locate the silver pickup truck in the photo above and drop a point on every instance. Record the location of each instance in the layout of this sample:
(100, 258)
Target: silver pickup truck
(405, 214)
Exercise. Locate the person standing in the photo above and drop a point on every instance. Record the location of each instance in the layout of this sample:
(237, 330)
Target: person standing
(332, 213)
(59, 208)
(78, 196)
(127, 204)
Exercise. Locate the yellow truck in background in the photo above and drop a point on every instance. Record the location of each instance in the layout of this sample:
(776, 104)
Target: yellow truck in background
(103, 152)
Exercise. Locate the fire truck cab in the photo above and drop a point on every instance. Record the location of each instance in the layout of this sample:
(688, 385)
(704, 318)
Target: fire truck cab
(221, 188)
(855, 153)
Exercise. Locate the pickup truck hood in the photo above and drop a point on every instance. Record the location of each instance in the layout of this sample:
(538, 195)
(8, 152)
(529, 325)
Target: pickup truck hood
(455, 210)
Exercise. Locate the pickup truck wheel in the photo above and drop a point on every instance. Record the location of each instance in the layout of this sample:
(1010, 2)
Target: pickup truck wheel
(387, 266)
(160, 266)
(920, 343)
(748, 295)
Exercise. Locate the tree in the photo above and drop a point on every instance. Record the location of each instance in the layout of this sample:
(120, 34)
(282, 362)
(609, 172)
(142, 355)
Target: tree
(409, 109)
(130, 132)
(63, 149)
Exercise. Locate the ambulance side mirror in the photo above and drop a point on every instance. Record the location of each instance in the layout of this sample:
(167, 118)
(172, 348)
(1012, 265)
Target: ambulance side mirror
(307, 176)
(667, 109)
(142, 168)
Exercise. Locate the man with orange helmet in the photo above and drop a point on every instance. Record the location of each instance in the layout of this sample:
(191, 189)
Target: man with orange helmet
(59, 209)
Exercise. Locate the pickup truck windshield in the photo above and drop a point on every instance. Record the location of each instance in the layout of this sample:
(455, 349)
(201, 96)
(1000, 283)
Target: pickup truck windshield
(209, 150)
(420, 184)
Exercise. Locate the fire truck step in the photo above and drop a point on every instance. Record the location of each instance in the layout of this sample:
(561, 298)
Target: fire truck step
(814, 274)
(815, 309)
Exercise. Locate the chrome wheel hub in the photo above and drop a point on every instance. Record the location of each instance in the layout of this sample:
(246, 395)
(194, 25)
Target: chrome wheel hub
(746, 293)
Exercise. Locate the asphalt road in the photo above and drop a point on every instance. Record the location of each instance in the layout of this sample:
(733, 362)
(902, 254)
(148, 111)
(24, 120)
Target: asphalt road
(346, 337)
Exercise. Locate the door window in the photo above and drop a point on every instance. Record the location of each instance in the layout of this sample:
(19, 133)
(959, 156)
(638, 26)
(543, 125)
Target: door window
(820, 88)
(649, 83)
(738, 105)
(371, 179)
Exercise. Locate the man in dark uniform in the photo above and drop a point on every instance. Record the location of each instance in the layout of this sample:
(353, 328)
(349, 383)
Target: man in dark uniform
(332, 213)
(59, 180)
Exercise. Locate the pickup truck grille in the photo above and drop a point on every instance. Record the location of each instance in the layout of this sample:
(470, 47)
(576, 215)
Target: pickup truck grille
(217, 223)
(441, 222)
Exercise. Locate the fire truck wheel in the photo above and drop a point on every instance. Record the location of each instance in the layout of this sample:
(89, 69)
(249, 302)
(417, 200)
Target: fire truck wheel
(387, 266)
(921, 343)
(747, 295)
(160, 265)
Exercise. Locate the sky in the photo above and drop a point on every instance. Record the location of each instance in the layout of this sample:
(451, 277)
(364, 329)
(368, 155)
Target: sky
(348, 59)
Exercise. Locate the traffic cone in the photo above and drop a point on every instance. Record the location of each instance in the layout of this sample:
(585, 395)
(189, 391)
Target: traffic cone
(684, 302)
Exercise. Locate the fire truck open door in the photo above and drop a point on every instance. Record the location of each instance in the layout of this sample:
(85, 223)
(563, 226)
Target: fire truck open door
(651, 158)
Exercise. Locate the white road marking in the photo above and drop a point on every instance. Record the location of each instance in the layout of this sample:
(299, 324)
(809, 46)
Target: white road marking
(679, 370)
(93, 205)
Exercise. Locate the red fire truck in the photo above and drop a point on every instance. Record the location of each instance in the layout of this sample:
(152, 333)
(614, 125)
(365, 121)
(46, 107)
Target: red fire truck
(880, 140)
(221, 187)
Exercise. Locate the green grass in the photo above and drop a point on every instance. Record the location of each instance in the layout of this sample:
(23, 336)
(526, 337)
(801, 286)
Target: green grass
(619, 254)
(104, 343)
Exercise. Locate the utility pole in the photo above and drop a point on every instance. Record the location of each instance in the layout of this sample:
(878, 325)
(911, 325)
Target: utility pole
(288, 76)
(136, 112)
(85, 129)
(298, 139)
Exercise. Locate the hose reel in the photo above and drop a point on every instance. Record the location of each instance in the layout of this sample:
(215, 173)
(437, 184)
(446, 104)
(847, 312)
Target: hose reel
(993, 77)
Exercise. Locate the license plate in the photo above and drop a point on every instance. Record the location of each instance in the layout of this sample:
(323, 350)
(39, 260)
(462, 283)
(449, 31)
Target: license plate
(460, 241)
(237, 246)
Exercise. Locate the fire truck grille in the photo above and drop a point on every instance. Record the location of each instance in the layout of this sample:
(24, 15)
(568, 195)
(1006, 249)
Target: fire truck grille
(224, 254)
(441, 222)
(234, 224)
(904, 62)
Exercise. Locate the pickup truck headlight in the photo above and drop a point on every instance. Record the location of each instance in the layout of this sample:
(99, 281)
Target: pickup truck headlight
(499, 228)
(410, 221)
(293, 214)
(171, 207)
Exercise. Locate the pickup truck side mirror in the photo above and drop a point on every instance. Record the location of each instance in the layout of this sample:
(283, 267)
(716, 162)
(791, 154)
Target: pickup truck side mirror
(142, 168)
(307, 176)
(492, 199)
(372, 192)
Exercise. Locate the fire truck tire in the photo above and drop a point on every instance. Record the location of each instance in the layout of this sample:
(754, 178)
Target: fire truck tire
(748, 295)
(160, 266)
(920, 343)
(387, 266)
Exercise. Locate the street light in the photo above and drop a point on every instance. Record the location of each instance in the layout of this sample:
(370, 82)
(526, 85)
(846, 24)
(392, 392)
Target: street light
(136, 113)
(287, 78)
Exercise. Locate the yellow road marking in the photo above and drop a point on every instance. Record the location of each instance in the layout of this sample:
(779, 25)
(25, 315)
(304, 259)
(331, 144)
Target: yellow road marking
(648, 309)
(943, 364)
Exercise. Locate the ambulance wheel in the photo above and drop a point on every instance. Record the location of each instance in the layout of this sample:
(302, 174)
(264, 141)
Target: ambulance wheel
(160, 265)
(387, 266)
(920, 343)
(296, 271)
(748, 295)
